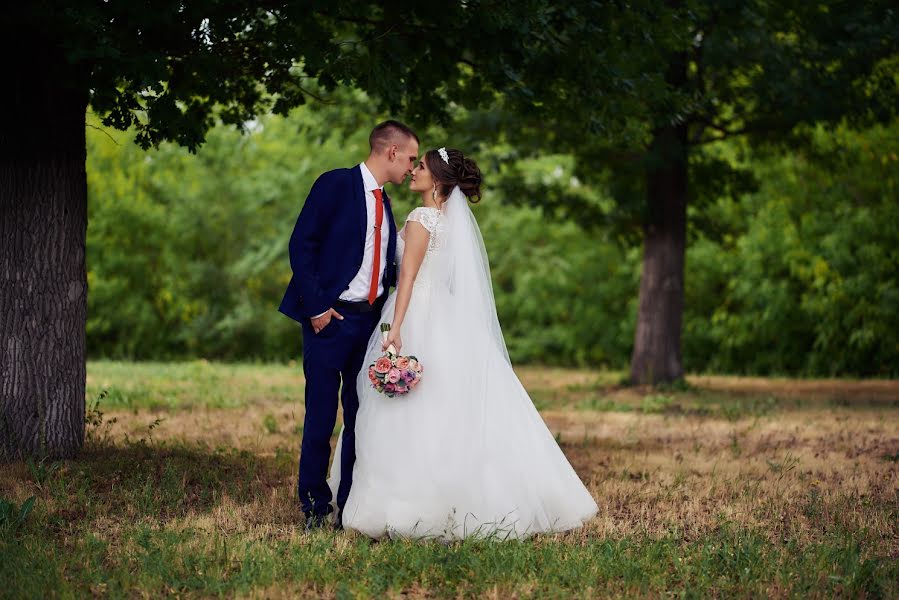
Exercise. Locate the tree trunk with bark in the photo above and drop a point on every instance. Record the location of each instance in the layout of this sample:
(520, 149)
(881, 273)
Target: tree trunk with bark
(657, 340)
(43, 228)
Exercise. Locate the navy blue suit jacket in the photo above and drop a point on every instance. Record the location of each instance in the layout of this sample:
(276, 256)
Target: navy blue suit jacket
(328, 244)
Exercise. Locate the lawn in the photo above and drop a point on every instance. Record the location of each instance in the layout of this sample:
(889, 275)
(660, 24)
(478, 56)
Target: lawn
(722, 487)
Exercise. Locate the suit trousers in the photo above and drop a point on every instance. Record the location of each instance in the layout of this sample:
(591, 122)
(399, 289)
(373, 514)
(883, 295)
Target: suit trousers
(331, 361)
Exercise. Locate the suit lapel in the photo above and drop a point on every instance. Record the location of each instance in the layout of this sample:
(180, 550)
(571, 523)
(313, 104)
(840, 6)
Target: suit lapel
(391, 238)
(359, 201)
(389, 213)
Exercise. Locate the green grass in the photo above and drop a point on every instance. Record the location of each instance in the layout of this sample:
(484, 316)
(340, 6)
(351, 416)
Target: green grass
(739, 508)
(184, 386)
(190, 563)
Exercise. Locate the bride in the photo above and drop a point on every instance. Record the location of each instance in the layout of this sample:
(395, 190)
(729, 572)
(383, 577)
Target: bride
(465, 454)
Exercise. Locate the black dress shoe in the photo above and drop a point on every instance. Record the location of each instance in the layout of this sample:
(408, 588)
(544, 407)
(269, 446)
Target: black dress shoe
(315, 521)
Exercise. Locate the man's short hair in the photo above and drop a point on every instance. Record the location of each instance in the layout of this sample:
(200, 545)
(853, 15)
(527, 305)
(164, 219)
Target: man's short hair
(390, 132)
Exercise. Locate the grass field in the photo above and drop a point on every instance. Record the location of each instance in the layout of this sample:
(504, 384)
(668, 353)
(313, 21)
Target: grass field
(724, 487)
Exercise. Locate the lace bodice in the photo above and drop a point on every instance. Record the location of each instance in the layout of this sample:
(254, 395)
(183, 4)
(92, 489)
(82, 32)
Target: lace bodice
(432, 220)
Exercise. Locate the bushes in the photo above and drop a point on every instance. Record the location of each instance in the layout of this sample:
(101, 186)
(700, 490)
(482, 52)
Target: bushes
(809, 285)
(187, 256)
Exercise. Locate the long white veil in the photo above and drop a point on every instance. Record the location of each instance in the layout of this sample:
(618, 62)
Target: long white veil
(463, 268)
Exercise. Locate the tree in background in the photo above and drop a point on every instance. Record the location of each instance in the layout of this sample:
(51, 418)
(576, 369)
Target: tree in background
(766, 70)
(169, 69)
(687, 74)
(629, 87)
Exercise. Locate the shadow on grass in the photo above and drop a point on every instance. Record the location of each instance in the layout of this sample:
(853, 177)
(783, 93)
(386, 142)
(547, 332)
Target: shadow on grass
(158, 481)
(187, 475)
(713, 404)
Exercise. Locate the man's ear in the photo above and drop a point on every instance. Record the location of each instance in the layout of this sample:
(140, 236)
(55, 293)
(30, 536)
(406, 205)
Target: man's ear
(391, 153)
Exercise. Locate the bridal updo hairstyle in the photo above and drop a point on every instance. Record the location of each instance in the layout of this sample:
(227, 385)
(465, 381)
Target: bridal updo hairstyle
(460, 171)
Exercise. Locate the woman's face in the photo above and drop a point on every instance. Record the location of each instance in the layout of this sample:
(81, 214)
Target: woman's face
(422, 180)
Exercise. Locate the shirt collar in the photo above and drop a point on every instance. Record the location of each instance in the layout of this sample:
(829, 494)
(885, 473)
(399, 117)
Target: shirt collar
(368, 180)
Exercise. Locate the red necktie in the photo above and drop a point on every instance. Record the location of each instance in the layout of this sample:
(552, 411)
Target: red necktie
(376, 269)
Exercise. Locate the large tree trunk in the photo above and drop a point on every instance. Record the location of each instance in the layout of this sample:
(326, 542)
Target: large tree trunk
(657, 342)
(43, 227)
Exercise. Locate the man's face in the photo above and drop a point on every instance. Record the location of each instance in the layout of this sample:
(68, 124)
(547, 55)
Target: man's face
(402, 160)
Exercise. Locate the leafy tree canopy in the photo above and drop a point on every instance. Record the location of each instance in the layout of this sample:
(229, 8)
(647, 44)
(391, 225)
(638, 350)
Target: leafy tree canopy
(766, 70)
(169, 67)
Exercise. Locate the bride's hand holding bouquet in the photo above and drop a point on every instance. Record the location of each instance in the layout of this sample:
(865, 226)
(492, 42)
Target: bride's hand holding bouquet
(393, 374)
(391, 337)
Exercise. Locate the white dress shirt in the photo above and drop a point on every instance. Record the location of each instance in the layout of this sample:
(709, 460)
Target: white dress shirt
(361, 283)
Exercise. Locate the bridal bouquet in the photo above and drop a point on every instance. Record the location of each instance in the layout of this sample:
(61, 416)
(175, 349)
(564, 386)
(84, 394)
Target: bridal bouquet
(394, 375)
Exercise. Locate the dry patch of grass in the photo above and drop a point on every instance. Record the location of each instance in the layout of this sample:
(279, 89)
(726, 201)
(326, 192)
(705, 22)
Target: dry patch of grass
(795, 476)
(880, 390)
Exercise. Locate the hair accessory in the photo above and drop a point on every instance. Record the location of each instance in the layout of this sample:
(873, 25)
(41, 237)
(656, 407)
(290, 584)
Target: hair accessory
(443, 154)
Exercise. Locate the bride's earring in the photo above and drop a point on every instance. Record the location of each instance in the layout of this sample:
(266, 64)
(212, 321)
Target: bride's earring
(434, 193)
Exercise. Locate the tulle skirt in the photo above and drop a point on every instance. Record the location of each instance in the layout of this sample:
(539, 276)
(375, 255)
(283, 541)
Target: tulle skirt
(465, 453)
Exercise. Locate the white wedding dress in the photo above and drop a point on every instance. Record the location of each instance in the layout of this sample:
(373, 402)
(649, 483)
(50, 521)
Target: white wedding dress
(465, 453)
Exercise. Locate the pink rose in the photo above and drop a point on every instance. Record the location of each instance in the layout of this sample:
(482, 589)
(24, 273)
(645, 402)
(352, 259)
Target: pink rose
(393, 375)
(402, 362)
(383, 364)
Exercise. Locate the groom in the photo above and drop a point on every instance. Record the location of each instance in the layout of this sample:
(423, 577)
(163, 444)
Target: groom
(342, 255)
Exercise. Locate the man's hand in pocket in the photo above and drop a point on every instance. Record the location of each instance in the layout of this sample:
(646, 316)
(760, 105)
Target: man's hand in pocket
(322, 321)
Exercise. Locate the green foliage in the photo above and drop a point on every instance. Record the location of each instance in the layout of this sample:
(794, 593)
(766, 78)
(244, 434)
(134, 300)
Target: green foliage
(769, 71)
(41, 471)
(170, 70)
(12, 516)
(806, 282)
(562, 297)
(187, 255)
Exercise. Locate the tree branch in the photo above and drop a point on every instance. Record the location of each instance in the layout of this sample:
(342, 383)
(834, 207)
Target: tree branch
(103, 131)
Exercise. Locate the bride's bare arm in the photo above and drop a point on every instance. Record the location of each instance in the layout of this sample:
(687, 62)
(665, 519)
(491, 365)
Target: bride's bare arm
(416, 237)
